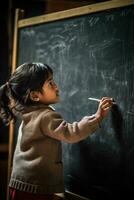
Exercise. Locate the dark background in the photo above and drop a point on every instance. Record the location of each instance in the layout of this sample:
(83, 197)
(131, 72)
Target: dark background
(92, 56)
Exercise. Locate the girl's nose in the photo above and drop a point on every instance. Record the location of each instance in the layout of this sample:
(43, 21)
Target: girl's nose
(55, 85)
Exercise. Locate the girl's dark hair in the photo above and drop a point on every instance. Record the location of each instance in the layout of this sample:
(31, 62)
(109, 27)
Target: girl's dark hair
(27, 77)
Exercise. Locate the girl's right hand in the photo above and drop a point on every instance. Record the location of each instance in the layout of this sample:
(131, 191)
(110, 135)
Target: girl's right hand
(104, 108)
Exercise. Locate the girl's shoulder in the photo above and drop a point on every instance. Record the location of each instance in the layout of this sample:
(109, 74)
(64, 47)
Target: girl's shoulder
(38, 113)
(49, 113)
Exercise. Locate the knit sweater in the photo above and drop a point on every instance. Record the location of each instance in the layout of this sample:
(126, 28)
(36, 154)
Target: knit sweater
(37, 163)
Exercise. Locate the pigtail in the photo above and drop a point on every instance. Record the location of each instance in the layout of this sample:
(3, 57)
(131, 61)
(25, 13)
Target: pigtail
(6, 113)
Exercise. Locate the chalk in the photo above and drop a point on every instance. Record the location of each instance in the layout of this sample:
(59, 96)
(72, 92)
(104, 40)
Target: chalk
(98, 100)
(94, 99)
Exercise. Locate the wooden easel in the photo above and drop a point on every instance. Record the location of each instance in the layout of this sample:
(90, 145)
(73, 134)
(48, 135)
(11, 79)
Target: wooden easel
(18, 14)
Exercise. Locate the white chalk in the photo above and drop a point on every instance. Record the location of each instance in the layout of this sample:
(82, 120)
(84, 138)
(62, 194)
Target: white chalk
(98, 100)
(94, 99)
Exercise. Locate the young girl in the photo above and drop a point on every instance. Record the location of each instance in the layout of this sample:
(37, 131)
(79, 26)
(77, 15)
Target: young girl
(37, 171)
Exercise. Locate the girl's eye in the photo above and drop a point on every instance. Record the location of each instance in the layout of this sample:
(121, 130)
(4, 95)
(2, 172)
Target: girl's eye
(51, 83)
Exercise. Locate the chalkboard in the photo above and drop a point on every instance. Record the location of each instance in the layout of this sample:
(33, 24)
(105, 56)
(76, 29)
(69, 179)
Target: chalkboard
(92, 56)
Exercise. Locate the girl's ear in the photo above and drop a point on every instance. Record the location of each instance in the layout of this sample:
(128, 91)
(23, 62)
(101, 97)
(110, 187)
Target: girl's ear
(34, 96)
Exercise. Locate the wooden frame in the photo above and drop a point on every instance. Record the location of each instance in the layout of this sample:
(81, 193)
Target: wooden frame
(14, 62)
(21, 23)
(74, 12)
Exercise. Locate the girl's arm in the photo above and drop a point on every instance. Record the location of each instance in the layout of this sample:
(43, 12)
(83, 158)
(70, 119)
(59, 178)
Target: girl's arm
(56, 127)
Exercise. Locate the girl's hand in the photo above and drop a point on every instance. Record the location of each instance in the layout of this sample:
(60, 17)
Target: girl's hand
(104, 108)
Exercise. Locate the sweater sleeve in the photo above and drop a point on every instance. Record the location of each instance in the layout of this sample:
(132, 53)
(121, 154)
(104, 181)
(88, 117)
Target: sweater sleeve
(53, 125)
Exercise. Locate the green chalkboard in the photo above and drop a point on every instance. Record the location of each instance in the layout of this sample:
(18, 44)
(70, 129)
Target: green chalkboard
(92, 56)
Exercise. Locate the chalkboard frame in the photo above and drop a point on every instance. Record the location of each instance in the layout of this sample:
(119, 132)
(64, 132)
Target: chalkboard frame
(22, 23)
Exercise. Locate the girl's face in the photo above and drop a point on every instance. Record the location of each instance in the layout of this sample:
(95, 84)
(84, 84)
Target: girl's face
(50, 92)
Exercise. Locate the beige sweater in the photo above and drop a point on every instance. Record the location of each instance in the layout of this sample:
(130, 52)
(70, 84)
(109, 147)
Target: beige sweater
(37, 162)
